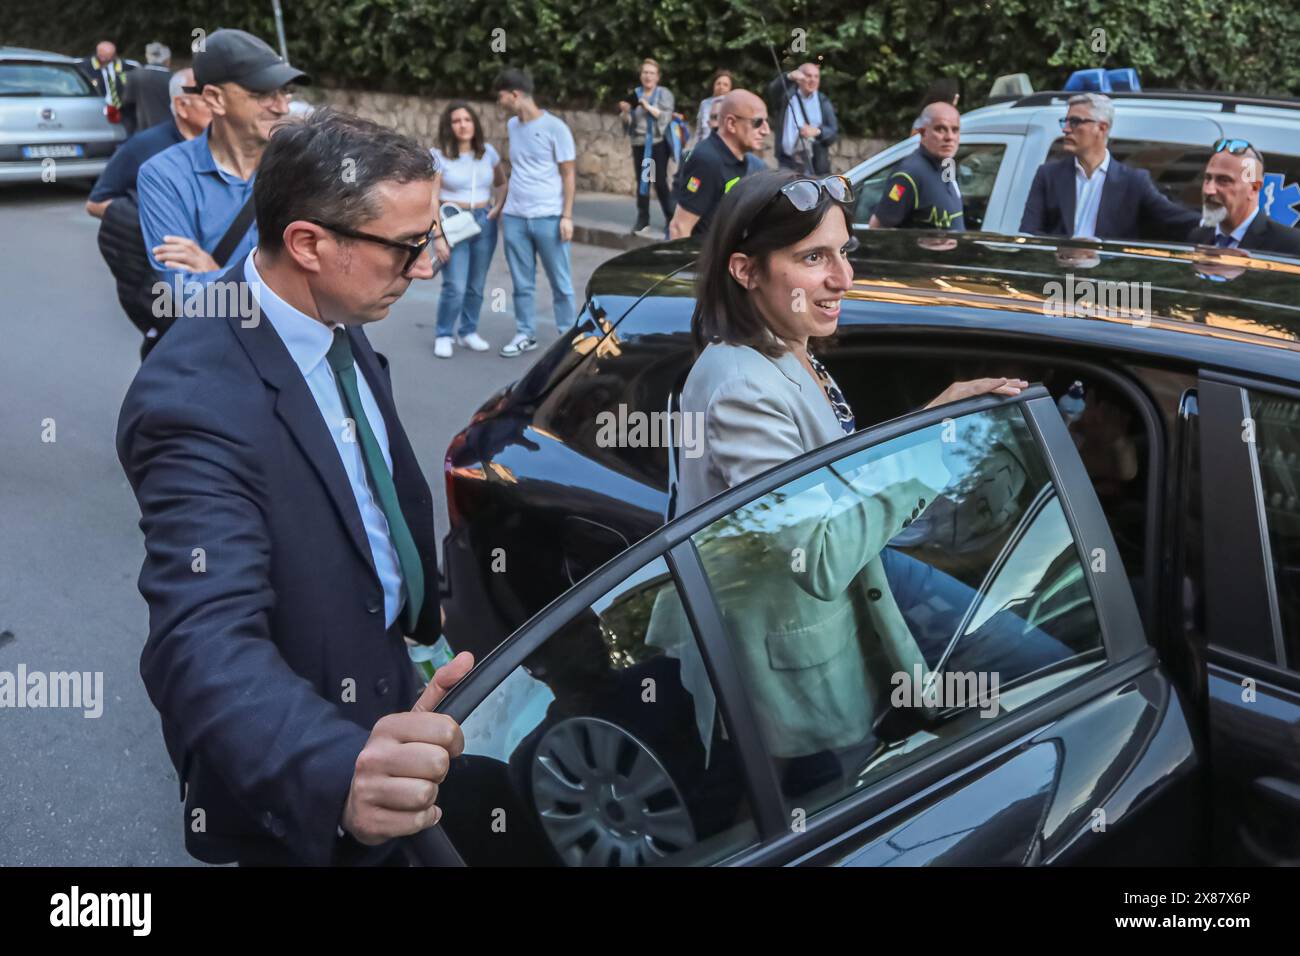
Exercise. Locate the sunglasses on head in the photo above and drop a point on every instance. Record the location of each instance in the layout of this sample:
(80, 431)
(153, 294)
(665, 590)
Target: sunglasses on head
(805, 194)
(1235, 146)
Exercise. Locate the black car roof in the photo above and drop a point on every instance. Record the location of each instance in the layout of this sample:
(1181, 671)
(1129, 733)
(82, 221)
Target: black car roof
(1236, 311)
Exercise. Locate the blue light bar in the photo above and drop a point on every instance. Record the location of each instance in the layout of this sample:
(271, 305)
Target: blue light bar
(1088, 81)
(1124, 80)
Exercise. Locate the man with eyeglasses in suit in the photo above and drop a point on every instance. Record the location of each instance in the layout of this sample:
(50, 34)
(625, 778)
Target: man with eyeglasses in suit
(195, 194)
(1091, 195)
(1231, 217)
(289, 547)
(718, 163)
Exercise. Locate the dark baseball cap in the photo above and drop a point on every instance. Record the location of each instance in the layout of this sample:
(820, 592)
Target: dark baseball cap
(233, 56)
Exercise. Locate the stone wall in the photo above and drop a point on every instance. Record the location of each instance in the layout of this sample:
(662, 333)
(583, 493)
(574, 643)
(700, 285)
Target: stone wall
(604, 153)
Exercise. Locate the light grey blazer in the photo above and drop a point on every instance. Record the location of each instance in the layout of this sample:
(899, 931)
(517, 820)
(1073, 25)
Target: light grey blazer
(814, 623)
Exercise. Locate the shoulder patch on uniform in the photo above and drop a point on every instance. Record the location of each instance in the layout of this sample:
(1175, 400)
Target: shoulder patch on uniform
(693, 184)
(896, 193)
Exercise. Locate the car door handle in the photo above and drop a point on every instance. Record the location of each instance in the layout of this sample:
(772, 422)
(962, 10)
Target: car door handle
(1281, 793)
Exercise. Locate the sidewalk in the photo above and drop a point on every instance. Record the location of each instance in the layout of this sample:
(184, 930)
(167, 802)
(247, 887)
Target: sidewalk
(605, 219)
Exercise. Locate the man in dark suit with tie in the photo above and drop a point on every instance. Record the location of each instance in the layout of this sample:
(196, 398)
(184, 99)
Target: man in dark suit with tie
(1231, 217)
(1091, 195)
(288, 530)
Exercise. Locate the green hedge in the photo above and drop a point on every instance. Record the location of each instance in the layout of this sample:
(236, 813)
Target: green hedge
(878, 59)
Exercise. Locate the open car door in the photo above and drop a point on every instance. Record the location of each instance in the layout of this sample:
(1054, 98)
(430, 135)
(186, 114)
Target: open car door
(914, 645)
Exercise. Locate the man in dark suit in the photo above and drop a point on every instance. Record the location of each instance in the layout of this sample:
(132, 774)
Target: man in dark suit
(1091, 195)
(288, 530)
(107, 73)
(1231, 217)
(146, 96)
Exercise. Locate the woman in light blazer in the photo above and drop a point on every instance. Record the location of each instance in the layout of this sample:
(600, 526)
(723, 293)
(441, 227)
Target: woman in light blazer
(773, 271)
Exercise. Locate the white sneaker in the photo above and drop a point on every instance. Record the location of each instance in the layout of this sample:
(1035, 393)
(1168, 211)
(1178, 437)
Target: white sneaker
(473, 341)
(518, 345)
(442, 346)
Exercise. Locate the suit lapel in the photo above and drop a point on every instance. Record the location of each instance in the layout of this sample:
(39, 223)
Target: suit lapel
(1065, 185)
(1111, 198)
(1255, 236)
(296, 407)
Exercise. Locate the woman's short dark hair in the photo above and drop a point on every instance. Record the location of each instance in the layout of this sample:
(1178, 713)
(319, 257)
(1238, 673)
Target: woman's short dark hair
(326, 166)
(724, 309)
(719, 74)
(447, 141)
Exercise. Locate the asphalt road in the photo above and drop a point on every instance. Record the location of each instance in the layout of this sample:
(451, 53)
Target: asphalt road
(101, 791)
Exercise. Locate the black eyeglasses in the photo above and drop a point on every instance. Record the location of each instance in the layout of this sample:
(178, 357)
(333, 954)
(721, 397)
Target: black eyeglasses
(755, 121)
(805, 194)
(412, 249)
(1073, 122)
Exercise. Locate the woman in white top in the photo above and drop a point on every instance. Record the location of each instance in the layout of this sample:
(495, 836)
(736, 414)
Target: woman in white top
(721, 84)
(470, 177)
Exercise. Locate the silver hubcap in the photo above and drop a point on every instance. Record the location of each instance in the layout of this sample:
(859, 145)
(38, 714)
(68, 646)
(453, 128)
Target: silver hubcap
(604, 798)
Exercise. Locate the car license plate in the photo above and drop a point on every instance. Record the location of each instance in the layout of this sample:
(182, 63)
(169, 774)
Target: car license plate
(53, 151)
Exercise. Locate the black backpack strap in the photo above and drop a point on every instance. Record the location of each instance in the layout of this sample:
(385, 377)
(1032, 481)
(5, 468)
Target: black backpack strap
(236, 232)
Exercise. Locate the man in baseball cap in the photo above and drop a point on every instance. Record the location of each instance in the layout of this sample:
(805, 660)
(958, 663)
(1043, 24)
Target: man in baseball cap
(196, 194)
(233, 56)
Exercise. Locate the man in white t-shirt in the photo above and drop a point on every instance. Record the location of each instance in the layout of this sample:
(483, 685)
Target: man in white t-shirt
(537, 219)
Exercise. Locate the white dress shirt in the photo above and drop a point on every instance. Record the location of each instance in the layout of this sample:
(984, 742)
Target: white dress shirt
(809, 105)
(1087, 197)
(308, 341)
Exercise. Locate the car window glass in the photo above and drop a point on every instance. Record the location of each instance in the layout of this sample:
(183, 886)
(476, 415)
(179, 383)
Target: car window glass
(1175, 168)
(882, 604)
(41, 79)
(1277, 445)
(604, 748)
(1280, 194)
(977, 170)
(1106, 426)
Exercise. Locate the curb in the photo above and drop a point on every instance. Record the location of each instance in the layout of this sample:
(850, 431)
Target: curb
(609, 238)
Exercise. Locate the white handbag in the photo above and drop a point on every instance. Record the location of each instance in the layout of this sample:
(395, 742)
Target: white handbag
(459, 224)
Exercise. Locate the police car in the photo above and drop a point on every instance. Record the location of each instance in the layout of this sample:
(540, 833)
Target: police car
(1169, 133)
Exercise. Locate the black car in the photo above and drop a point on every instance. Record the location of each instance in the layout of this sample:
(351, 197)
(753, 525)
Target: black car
(1135, 516)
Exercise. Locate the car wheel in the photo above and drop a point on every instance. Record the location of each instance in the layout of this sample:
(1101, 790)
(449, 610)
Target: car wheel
(604, 797)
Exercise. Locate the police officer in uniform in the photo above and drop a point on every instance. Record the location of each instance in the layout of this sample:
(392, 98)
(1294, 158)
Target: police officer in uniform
(922, 193)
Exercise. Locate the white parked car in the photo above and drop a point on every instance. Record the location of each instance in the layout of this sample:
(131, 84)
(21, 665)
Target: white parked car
(52, 122)
(1169, 133)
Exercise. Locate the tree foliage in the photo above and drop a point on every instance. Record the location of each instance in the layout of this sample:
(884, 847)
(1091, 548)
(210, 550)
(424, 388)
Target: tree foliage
(878, 56)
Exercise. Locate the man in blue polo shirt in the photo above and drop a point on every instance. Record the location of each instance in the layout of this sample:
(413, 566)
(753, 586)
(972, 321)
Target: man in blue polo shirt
(192, 193)
(190, 117)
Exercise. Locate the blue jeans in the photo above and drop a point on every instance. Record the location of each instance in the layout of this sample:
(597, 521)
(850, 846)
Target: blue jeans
(526, 240)
(463, 277)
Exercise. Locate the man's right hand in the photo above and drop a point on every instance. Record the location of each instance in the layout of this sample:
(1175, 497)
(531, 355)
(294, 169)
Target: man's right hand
(181, 252)
(395, 785)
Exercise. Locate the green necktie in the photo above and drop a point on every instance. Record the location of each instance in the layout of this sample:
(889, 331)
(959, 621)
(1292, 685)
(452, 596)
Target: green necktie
(345, 373)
